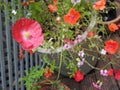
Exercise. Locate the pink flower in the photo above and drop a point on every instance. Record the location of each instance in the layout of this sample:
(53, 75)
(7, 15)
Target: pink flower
(81, 62)
(78, 39)
(28, 33)
(67, 46)
(104, 72)
(96, 85)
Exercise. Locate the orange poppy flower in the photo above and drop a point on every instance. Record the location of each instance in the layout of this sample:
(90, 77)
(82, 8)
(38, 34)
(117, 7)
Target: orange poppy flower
(52, 8)
(113, 27)
(72, 16)
(111, 46)
(31, 1)
(90, 34)
(25, 3)
(99, 5)
(47, 72)
(20, 53)
(30, 52)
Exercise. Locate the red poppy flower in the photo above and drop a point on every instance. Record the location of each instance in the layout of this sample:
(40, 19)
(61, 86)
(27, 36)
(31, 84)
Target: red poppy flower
(113, 27)
(110, 72)
(54, 1)
(72, 16)
(66, 40)
(117, 75)
(52, 8)
(27, 33)
(99, 5)
(47, 72)
(78, 76)
(111, 46)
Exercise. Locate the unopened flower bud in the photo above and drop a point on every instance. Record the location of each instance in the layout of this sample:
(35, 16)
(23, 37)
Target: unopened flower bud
(58, 19)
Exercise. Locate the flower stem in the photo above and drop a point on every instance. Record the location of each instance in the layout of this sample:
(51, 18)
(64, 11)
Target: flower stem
(60, 64)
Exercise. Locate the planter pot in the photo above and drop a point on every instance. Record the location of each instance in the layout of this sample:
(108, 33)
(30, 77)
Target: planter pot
(55, 55)
(47, 85)
(85, 68)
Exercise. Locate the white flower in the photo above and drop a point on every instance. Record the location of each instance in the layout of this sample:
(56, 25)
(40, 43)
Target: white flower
(81, 53)
(14, 12)
(75, 1)
(28, 14)
(103, 52)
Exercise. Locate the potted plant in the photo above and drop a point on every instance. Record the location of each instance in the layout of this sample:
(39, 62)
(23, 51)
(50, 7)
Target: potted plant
(72, 31)
(38, 78)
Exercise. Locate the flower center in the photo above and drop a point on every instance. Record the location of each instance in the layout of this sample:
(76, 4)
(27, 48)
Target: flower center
(72, 17)
(111, 46)
(26, 35)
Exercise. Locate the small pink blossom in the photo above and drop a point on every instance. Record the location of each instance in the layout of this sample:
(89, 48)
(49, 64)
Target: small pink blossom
(67, 46)
(78, 39)
(97, 85)
(80, 63)
(104, 72)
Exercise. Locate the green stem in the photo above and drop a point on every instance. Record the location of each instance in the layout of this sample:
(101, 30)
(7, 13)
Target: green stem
(59, 66)
(92, 66)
